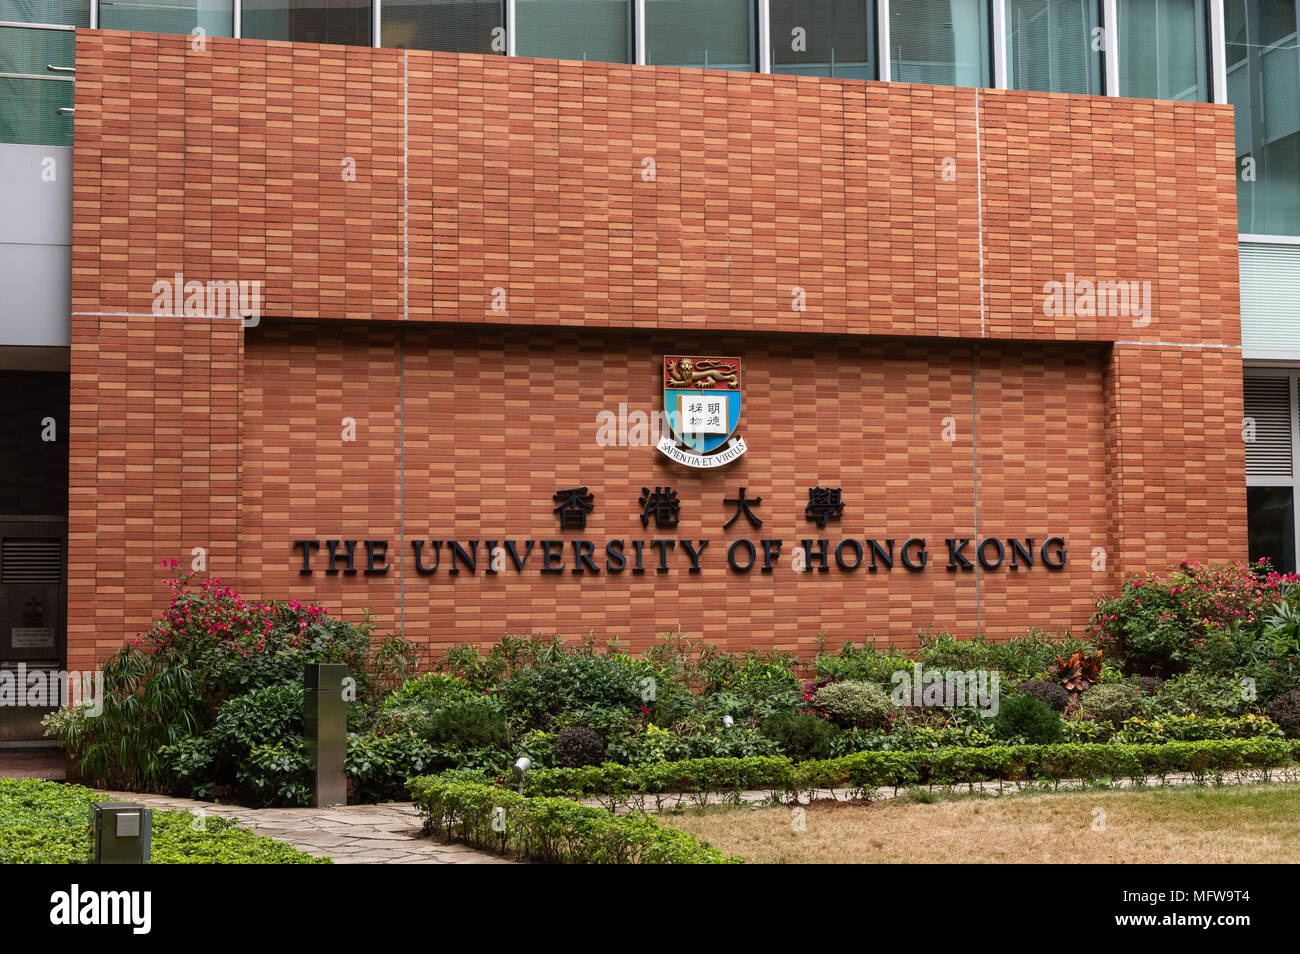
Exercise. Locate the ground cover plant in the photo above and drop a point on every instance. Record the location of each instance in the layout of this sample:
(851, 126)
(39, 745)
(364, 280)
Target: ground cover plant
(208, 703)
(49, 823)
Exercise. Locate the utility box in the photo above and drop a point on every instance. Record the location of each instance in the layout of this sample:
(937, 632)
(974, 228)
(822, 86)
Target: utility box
(325, 731)
(121, 833)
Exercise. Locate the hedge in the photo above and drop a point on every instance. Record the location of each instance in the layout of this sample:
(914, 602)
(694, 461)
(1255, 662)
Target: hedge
(550, 829)
(947, 766)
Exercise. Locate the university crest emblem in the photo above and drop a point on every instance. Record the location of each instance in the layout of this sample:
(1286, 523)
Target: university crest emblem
(702, 403)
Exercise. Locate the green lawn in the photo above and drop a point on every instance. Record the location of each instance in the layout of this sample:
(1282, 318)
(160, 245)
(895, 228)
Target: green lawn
(49, 823)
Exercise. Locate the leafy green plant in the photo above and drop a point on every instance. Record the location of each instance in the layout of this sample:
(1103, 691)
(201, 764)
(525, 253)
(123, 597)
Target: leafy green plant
(1022, 717)
(1285, 711)
(579, 746)
(1050, 692)
(801, 735)
(1112, 702)
(854, 704)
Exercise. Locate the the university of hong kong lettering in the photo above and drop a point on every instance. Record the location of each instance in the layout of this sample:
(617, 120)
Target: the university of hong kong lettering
(702, 405)
(662, 507)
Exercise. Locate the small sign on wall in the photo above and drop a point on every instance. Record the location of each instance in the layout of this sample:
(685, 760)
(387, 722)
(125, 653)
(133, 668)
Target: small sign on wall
(31, 637)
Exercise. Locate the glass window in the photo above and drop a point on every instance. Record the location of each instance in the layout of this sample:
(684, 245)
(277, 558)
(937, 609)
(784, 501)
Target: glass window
(1162, 50)
(1271, 516)
(575, 29)
(64, 12)
(1263, 62)
(823, 38)
(946, 43)
(715, 34)
(345, 22)
(1054, 45)
(30, 96)
(213, 17)
(452, 26)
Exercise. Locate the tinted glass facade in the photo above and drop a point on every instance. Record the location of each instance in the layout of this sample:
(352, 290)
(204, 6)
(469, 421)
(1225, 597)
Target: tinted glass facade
(946, 43)
(823, 38)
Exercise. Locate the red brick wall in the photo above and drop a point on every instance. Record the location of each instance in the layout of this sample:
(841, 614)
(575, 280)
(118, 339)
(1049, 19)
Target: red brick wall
(478, 173)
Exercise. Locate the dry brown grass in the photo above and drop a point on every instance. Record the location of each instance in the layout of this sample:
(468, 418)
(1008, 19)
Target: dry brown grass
(1239, 824)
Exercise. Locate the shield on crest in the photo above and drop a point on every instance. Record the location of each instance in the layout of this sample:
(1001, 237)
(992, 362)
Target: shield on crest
(702, 399)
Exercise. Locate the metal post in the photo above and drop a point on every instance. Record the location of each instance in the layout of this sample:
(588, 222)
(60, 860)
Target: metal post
(325, 731)
(122, 833)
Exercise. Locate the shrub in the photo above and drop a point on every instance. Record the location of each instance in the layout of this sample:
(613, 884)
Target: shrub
(1112, 702)
(551, 829)
(379, 765)
(1027, 718)
(579, 746)
(1147, 685)
(1203, 694)
(430, 691)
(863, 663)
(801, 735)
(1285, 711)
(1196, 729)
(208, 646)
(575, 683)
(471, 724)
(854, 704)
(1050, 692)
(1194, 618)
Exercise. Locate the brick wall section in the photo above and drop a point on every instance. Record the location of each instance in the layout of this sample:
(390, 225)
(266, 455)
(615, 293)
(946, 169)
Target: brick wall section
(477, 173)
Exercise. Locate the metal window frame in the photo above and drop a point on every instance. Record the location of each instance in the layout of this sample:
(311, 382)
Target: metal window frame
(1110, 48)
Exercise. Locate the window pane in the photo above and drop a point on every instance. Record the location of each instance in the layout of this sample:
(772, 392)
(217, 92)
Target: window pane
(945, 43)
(214, 17)
(1054, 45)
(1271, 516)
(65, 12)
(1162, 50)
(453, 26)
(823, 38)
(345, 22)
(30, 95)
(575, 29)
(1264, 86)
(717, 34)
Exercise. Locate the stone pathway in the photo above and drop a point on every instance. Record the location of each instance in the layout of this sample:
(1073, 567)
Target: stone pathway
(388, 834)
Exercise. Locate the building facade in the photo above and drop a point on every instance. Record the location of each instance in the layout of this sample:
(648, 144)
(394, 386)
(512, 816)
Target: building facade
(1003, 297)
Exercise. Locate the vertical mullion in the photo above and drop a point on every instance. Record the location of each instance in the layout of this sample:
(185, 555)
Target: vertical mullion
(238, 30)
(94, 14)
(1218, 54)
(764, 36)
(510, 28)
(375, 25)
(1110, 47)
(638, 28)
(999, 44)
(882, 40)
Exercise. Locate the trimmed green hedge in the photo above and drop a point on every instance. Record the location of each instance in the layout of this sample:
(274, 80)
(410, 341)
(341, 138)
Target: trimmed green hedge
(49, 823)
(950, 766)
(550, 829)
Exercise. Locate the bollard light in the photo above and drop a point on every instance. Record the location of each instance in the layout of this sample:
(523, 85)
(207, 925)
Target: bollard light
(122, 833)
(325, 731)
(522, 766)
(728, 722)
